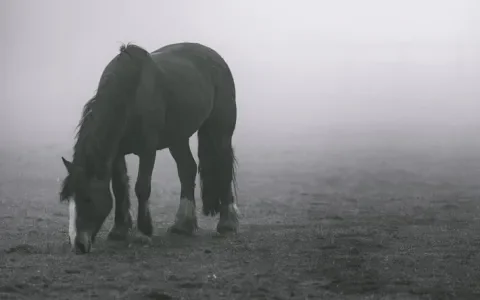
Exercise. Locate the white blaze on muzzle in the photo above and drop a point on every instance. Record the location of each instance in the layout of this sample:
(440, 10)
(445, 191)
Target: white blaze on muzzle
(72, 222)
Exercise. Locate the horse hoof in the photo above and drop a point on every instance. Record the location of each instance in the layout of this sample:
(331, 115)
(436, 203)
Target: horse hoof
(118, 234)
(145, 228)
(139, 238)
(227, 228)
(187, 228)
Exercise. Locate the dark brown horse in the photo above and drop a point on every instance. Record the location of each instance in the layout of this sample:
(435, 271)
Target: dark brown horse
(147, 102)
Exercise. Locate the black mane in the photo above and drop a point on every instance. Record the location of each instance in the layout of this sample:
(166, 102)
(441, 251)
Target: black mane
(104, 115)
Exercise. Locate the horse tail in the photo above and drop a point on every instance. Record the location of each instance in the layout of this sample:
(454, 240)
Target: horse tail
(217, 161)
(217, 169)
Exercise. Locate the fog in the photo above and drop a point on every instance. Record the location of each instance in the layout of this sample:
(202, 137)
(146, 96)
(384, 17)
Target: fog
(306, 72)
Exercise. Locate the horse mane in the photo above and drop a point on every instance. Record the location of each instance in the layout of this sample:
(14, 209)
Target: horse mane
(102, 116)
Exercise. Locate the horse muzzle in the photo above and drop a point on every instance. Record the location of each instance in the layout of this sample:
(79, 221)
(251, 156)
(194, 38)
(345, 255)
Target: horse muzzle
(82, 244)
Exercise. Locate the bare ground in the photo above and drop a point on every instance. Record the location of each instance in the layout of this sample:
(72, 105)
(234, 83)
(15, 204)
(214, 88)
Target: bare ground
(312, 228)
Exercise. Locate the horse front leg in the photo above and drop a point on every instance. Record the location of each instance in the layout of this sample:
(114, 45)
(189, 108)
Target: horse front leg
(120, 186)
(186, 218)
(143, 188)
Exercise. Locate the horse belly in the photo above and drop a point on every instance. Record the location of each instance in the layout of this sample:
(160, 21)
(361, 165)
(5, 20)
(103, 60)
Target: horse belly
(132, 141)
(185, 117)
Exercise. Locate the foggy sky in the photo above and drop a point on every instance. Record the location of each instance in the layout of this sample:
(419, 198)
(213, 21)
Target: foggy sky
(298, 65)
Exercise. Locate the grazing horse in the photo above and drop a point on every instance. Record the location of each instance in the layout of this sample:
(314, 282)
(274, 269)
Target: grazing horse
(147, 102)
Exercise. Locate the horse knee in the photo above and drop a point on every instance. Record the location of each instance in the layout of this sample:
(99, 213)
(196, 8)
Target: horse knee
(143, 189)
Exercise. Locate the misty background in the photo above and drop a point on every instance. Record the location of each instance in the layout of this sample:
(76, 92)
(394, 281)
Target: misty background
(311, 76)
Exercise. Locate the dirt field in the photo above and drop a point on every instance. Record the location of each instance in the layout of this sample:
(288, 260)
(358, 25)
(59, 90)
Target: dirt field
(373, 225)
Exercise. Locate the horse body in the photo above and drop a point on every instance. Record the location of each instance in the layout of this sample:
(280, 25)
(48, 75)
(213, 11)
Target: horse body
(147, 102)
(190, 74)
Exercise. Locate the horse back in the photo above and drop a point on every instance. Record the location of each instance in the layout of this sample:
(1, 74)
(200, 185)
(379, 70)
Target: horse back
(188, 81)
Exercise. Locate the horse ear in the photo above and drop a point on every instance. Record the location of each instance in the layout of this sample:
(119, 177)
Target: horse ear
(70, 167)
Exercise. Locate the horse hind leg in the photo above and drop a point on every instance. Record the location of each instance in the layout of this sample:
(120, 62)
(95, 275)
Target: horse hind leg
(143, 189)
(228, 221)
(185, 219)
(120, 186)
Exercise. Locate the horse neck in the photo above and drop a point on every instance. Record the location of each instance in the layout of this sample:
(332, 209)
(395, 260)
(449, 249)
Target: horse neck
(97, 146)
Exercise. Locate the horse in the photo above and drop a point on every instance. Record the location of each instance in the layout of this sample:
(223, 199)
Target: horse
(146, 102)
